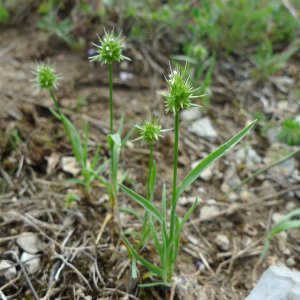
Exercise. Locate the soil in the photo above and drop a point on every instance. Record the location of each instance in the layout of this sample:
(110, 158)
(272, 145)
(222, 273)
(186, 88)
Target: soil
(33, 188)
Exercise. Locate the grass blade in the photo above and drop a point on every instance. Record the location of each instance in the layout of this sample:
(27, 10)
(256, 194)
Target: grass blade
(188, 214)
(142, 201)
(151, 267)
(211, 158)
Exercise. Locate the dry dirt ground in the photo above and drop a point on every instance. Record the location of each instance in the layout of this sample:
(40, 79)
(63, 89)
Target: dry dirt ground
(76, 259)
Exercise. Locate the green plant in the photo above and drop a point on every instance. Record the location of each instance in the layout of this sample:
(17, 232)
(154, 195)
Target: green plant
(289, 221)
(4, 13)
(167, 239)
(268, 62)
(46, 79)
(290, 132)
(108, 51)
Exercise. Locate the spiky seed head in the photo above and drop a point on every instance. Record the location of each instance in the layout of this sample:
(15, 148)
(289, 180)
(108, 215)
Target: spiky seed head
(180, 92)
(150, 131)
(109, 49)
(46, 77)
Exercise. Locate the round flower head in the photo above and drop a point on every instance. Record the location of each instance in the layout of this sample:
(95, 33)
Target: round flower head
(180, 92)
(109, 49)
(150, 131)
(46, 77)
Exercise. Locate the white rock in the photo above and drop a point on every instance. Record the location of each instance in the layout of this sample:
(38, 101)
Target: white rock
(192, 114)
(70, 165)
(204, 128)
(245, 196)
(222, 242)
(290, 262)
(7, 269)
(233, 197)
(248, 156)
(29, 242)
(290, 206)
(277, 283)
(32, 262)
(208, 212)
(277, 217)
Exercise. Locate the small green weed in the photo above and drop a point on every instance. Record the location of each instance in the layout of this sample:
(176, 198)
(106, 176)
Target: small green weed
(167, 239)
(4, 13)
(108, 51)
(290, 132)
(46, 78)
(289, 221)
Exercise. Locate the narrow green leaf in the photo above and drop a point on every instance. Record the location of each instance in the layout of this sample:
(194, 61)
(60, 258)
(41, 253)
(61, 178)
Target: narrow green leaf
(282, 227)
(142, 201)
(152, 179)
(134, 271)
(290, 215)
(85, 144)
(151, 267)
(188, 214)
(74, 138)
(176, 240)
(152, 284)
(212, 157)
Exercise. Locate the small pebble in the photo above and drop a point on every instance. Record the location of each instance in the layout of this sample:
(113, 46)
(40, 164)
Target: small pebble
(7, 269)
(208, 212)
(31, 262)
(276, 217)
(70, 165)
(290, 206)
(290, 262)
(232, 197)
(29, 242)
(245, 196)
(222, 242)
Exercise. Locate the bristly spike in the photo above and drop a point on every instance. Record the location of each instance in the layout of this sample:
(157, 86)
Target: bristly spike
(109, 49)
(180, 91)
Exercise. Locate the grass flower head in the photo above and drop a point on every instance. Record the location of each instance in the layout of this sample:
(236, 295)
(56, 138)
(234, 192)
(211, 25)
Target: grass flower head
(46, 77)
(150, 131)
(180, 92)
(109, 49)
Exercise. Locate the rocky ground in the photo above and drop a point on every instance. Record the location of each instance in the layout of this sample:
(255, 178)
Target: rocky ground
(49, 250)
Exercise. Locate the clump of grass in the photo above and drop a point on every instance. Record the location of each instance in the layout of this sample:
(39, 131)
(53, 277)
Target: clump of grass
(47, 79)
(108, 51)
(165, 229)
(290, 132)
(289, 221)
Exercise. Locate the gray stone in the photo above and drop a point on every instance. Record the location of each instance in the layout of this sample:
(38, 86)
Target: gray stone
(7, 269)
(192, 114)
(222, 242)
(204, 128)
(248, 156)
(208, 212)
(32, 262)
(70, 165)
(29, 242)
(277, 283)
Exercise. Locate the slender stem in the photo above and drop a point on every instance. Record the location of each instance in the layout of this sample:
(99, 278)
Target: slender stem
(173, 204)
(149, 195)
(265, 169)
(145, 228)
(111, 124)
(52, 94)
(111, 129)
(175, 163)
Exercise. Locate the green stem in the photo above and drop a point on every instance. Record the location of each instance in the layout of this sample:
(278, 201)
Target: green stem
(111, 124)
(175, 163)
(149, 195)
(112, 195)
(145, 228)
(265, 169)
(173, 204)
(56, 105)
